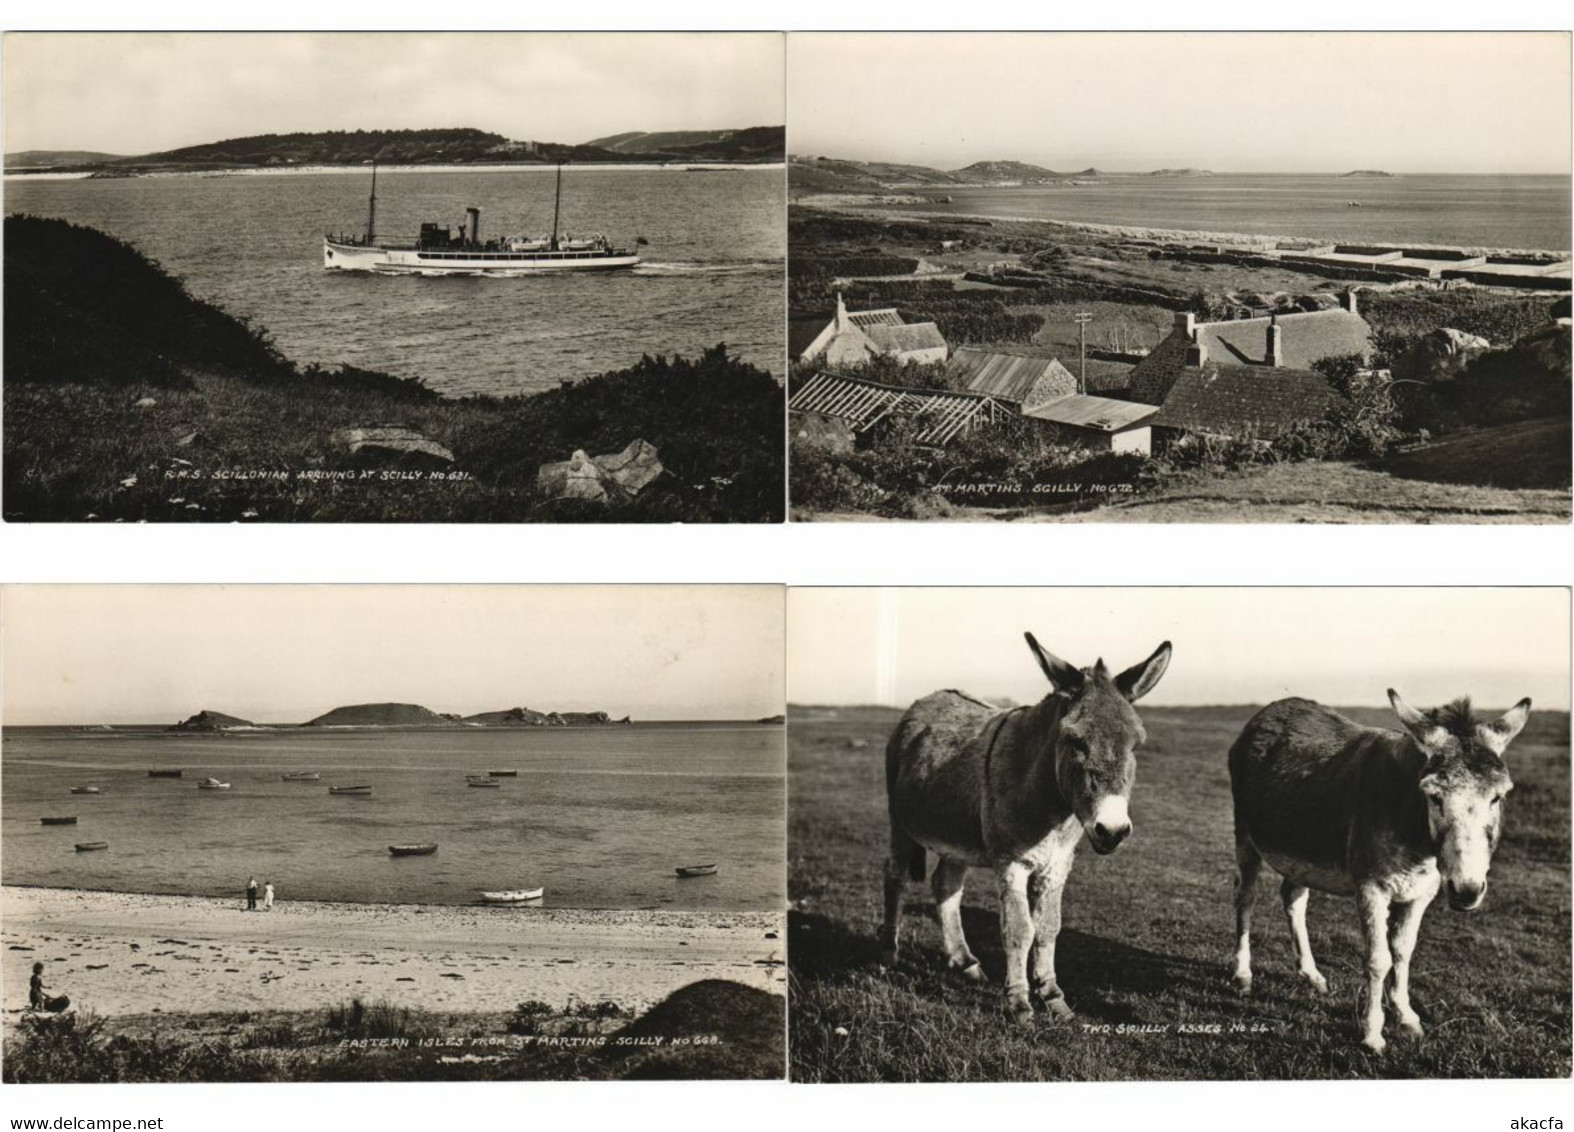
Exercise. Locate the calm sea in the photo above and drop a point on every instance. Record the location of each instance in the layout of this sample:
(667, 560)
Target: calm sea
(600, 817)
(253, 244)
(1496, 212)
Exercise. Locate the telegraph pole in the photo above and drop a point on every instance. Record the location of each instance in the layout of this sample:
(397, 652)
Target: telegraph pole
(1082, 318)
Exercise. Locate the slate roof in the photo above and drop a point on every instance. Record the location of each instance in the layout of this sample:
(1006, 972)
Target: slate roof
(1259, 402)
(900, 338)
(1103, 414)
(865, 319)
(1305, 337)
(863, 404)
(1010, 377)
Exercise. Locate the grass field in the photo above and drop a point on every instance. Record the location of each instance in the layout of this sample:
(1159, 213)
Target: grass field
(1147, 938)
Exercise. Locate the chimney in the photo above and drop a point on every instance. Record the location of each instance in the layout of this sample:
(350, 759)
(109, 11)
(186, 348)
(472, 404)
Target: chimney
(1348, 301)
(841, 313)
(1185, 323)
(474, 224)
(1274, 355)
(1196, 354)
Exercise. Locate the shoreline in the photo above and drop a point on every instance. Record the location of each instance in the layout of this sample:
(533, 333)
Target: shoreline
(1134, 232)
(298, 170)
(136, 953)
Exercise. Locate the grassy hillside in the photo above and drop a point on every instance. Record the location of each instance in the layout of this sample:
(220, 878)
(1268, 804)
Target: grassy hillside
(757, 143)
(127, 399)
(1148, 934)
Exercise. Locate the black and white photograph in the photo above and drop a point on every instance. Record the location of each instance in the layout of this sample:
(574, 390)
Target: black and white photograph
(1178, 834)
(394, 277)
(1180, 277)
(392, 833)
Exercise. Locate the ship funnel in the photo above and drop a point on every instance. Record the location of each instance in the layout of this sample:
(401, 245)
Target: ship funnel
(474, 224)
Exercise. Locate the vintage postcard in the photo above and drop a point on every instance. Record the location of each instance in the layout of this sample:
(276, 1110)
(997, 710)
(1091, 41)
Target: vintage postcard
(393, 833)
(1180, 277)
(394, 277)
(1178, 834)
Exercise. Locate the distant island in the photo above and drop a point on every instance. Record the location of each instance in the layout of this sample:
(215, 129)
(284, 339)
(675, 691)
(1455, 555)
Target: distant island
(454, 146)
(1366, 173)
(210, 721)
(408, 715)
(1182, 173)
(1006, 171)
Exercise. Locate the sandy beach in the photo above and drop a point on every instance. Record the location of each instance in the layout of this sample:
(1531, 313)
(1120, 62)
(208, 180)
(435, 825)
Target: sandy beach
(127, 954)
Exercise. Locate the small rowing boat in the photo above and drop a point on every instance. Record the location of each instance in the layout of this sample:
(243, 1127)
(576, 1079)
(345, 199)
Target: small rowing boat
(90, 846)
(413, 850)
(84, 790)
(696, 870)
(482, 783)
(360, 790)
(301, 776)
(503, 773)
(165, 773)
(212, 784)
(57, 821)
(513, 896)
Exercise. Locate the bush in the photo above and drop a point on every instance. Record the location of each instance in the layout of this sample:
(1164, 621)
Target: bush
(356, 1019)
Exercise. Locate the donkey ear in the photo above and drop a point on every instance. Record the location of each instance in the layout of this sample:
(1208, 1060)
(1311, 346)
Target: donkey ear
(1138, 680)
(1415, 722)
(1501, 731)
(1065, 677)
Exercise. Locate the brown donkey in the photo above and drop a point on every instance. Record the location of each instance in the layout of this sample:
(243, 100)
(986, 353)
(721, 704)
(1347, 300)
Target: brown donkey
(1387, 817)
(1013, 791)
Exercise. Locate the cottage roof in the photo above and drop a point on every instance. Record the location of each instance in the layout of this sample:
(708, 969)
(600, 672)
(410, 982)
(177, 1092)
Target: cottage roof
(900, 338)
(1250, 401)
(1008, 376)
(888, 316)
(1103, 414)
(1305, 337)
(863, 404)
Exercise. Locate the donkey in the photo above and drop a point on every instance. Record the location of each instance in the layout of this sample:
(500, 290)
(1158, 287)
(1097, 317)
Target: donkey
(1013, 791)
(1384, 816)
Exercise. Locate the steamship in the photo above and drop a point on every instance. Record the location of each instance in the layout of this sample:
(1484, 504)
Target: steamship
(440, 251)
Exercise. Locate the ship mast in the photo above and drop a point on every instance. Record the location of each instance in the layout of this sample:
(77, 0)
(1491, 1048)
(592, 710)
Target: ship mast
(557, 202)
(371, 208)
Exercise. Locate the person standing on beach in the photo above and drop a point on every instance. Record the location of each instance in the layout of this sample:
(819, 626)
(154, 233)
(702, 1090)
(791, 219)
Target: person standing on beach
(38, 997)
(267, 897)
(251, 895)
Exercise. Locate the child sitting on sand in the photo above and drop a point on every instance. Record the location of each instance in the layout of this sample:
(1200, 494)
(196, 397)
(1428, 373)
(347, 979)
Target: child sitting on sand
(38, 998)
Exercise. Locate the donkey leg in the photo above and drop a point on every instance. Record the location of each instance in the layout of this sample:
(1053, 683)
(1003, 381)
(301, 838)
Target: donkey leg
(1016, 930)
(1295, 897)
(947, 881)
(1373, 903)
(898, 867)
(1043, 893)
(1402, 939)
(1247, 865)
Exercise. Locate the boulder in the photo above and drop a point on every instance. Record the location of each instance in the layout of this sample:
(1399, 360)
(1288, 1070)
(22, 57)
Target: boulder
(144, 403)
(1444, 354)
(391, 445)
(602, 479)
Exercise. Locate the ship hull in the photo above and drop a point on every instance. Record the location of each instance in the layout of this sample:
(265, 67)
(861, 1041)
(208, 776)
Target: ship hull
(413, 261)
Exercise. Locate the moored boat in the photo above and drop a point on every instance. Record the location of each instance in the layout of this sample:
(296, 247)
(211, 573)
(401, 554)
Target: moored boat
(696, 870)
(513, 896)
(301, 776)
(85, 790)
(413, 850)
(349, 789)
(165, 773)
(57, 821)
(503, 773)
(437, 251)
(91, 846)
(212, 784)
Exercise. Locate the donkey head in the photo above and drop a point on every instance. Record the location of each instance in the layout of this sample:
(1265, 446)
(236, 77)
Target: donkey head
(1464, 781)
(1096, 739)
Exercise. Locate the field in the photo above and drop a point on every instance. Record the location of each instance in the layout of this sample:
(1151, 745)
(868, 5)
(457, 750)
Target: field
(1147, 940)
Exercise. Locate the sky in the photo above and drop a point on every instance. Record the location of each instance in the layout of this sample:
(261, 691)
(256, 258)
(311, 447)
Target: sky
(135, 93)
(1405, 102)
(1231, 646)
(285, 654)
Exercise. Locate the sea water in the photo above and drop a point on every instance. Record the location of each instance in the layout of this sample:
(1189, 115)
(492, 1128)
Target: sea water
(600, 817)
(712, 269)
